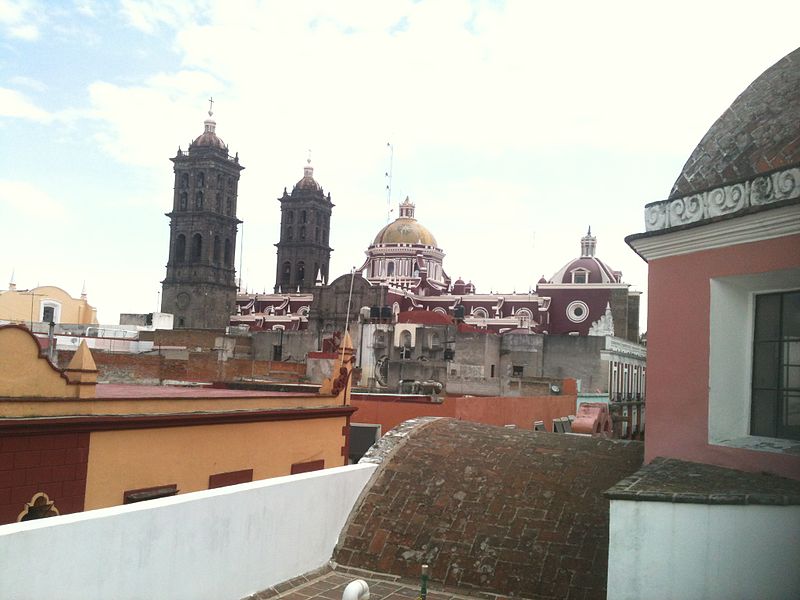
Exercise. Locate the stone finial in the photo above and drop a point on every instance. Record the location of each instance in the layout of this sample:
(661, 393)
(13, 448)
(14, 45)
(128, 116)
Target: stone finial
(83, 291)
(12, 285)
(82, 371)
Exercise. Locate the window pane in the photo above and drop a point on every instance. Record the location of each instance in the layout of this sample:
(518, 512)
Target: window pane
(764, 413)
(791, 353)
(792, 409)
(765, 365)
(791, 378)
(768, 317)
(791, 315)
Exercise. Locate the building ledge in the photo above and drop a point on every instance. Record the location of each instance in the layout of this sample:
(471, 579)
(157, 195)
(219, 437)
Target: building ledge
(761, 444)
(677, 481)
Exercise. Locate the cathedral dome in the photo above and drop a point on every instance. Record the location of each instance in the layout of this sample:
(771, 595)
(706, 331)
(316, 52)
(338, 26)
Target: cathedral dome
(209, 138)
(405, 229)
(758, 133)
(587, 268)
(308, 182)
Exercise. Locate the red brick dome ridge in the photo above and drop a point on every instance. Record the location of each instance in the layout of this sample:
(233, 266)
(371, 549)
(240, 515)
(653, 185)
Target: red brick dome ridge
(759, 132)
(505, 511)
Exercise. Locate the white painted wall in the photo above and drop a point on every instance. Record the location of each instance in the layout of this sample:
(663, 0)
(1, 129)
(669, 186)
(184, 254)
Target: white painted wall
(218, 544)
(663, 551)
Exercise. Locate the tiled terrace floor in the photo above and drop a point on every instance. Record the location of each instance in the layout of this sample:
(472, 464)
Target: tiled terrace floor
(328, 584)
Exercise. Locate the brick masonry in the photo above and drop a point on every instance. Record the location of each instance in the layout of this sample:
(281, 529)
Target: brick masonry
(758, 133)
(492, 509)
(53, 464)
(119, 367)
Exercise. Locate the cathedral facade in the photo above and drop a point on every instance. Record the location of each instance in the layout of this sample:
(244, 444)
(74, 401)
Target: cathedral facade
(404, 273)
(200, 286)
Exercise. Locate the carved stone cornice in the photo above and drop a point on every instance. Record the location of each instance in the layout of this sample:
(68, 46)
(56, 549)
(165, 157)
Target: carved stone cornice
(725, 200)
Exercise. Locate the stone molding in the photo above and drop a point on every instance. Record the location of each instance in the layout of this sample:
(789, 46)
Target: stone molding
(724, 200)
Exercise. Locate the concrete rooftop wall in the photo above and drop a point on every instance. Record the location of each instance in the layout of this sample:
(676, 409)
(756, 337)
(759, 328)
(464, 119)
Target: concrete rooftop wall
(218, 544)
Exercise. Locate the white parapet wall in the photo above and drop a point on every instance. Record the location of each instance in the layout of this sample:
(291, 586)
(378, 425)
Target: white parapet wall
(665, 550)
(218, 544)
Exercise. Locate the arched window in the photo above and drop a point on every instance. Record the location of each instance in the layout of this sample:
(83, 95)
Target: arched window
(303, 217)
(289, 233)
(316, 234)
(219, 202)
(302, 232)
(228, 253)
(219, 181)
(405, 339)
(216, 249)
(301, 272)
(324, 236)
(197, 246)
(184, 200)
(290, 216)
(184, 180)
(286, 272)
(198, 201)
(180, 248)
(390, 269)
(230, 183)
(480, 313)
(229, 206)
(201, 179)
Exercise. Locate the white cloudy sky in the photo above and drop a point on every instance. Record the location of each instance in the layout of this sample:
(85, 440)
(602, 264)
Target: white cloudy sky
(515, 125)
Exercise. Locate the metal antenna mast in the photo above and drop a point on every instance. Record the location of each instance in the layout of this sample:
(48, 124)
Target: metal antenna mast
(388, 176)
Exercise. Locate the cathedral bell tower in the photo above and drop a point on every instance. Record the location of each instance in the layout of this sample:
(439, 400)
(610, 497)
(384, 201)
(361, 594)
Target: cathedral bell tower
(200, 286)
(303, 251)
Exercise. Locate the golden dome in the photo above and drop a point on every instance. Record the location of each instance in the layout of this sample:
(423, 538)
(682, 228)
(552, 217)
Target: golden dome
(405, 230)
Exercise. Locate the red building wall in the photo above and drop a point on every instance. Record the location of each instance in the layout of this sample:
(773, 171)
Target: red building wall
(54, 464)
(678, 352)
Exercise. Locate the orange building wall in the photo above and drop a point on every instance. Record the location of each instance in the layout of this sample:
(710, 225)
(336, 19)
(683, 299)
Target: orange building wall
(501, 410)
(519, 411)
(187, 456)
(678, 352)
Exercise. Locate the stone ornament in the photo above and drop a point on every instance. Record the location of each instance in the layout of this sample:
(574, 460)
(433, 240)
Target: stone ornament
(724, 200)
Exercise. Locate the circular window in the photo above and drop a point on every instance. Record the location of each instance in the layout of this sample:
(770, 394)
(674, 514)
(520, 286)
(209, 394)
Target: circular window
(577, 311)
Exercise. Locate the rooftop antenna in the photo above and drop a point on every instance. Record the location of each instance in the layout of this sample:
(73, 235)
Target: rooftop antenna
(388, 176)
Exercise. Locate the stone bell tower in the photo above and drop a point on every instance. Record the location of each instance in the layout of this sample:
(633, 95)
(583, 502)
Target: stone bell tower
(303, 251)
(200, 286)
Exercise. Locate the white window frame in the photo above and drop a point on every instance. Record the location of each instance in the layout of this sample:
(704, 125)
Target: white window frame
(56, 310)
(730, 357)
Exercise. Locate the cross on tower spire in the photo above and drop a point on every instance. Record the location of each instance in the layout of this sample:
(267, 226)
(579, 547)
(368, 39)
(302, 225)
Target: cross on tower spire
(211, 106)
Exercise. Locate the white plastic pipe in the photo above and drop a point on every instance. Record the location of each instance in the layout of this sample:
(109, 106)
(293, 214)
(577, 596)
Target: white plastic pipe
(356, 590)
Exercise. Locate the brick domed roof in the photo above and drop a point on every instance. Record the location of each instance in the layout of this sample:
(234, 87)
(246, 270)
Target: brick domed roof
(759, 132)
(490, 509)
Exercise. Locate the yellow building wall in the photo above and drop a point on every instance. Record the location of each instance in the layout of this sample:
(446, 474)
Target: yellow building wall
(26, 305)
(133, 459)
(24, 373)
